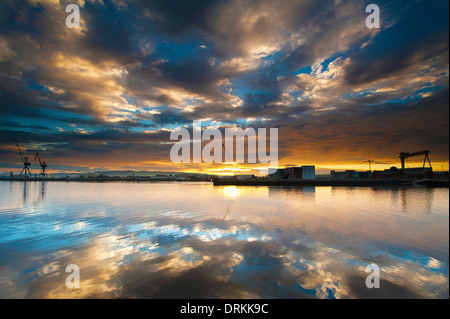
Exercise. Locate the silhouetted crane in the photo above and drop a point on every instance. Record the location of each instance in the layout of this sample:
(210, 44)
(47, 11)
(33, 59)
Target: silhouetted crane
(42, 163)
(25, 161)
(404, 155)
(370, 164)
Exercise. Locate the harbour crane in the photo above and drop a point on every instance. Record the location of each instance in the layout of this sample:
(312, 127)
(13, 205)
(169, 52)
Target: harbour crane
(42, 163)
(370, 164)
(404, 155)
(25, 161)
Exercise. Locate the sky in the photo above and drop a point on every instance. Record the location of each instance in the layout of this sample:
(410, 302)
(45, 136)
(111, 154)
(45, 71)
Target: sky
(107, 95)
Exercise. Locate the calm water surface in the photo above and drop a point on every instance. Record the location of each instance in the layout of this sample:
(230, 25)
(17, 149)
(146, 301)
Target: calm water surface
(194, 240)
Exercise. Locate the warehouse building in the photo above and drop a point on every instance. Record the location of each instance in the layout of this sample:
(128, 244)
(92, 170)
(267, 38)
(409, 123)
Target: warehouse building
(295, 173)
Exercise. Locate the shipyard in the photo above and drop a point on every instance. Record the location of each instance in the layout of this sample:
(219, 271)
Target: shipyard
(288, 176)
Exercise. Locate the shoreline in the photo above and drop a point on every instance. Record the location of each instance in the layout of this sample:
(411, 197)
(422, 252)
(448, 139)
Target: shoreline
(101, 180)
(252, 182)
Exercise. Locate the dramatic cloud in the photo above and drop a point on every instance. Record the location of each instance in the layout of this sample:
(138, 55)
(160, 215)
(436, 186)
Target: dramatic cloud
(338, 91)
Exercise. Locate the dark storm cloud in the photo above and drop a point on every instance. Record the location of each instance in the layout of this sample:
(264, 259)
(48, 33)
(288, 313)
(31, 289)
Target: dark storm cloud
(19, 99)
(193, 73)
(419, 36)
(112, 33)
(382, 132)
(199, 69)
(170, 117)
(21, 17)
(368, 67)
(11, 124)
(310, 67)
(176, 17)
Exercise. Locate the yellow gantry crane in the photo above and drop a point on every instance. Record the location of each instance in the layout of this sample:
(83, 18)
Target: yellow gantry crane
(404, 155)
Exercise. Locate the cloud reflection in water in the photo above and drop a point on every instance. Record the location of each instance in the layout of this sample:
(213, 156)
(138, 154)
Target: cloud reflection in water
(173, 241)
